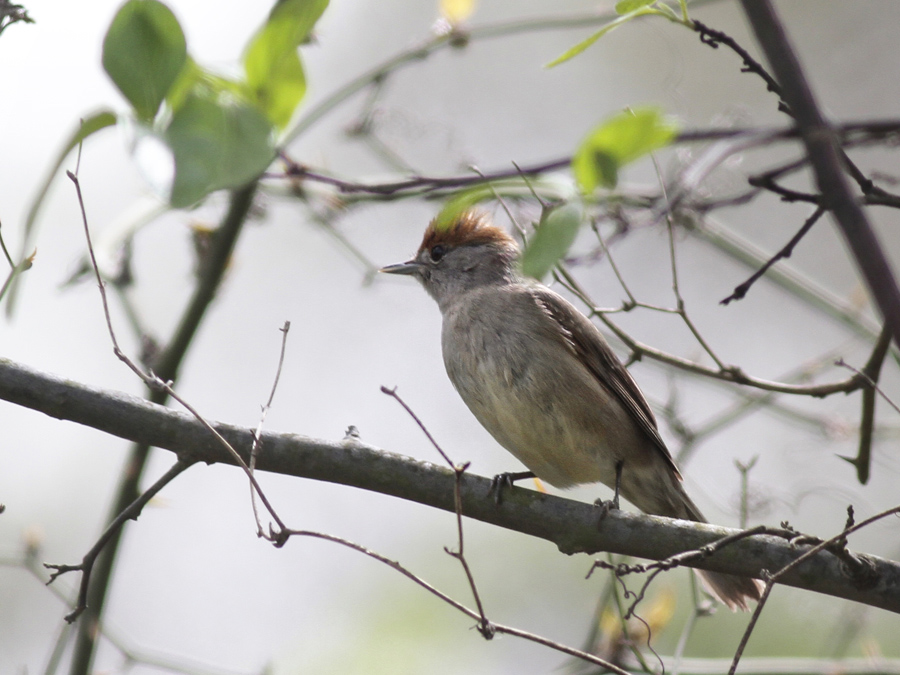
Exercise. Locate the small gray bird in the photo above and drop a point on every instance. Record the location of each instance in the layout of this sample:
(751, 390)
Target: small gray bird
(543, 381)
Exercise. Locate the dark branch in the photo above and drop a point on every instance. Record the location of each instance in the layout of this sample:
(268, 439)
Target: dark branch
(741, 290)
(827, 162)
(571, 526)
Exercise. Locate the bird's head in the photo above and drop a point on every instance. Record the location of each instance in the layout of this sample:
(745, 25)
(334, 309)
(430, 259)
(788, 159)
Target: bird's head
(465, 254)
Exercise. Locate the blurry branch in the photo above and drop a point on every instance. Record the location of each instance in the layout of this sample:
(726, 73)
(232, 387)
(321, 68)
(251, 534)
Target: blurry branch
(851, 133)
(29, 561)
(572, 526)
(15, 268)
(455, 38)
(749, 254)
(751, 401)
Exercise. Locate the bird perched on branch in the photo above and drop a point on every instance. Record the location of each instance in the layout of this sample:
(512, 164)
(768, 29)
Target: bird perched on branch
(541, 378)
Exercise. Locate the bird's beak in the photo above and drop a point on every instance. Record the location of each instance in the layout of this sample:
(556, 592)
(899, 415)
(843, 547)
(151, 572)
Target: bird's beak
(408, 267)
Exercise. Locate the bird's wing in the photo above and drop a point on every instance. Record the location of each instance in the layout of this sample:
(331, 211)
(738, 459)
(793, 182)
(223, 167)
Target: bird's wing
(591, 347)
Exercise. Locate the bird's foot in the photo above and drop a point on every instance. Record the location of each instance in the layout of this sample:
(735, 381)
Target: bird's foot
(612, 504)
(605, 506)
(505, 480)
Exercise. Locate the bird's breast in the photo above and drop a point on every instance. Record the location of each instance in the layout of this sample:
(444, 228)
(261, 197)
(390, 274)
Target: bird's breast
(532, 394)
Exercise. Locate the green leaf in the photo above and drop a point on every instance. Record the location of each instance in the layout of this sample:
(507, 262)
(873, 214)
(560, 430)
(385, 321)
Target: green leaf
(195, 80)
(284, 90)
(572, 52)
(274, 72)
(190, 76)
(460, 202)
(143, 52)
(551, 241)
(217, 145)
(669, 13)
(618, 141)
(626, 6)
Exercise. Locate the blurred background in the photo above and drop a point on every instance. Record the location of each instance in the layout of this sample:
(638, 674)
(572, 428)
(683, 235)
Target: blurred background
(193, 584)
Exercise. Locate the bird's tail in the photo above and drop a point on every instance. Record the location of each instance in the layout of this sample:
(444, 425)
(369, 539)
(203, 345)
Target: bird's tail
(730, 590)
(662, 493)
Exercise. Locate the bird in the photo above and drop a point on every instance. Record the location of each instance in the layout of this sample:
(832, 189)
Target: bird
(543, 381)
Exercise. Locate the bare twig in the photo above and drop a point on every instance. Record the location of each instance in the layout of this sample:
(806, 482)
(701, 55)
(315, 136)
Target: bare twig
(870, 382)
(131, 513)
(497, 628)
(679, 560)
(254, 449)
(870, 374)
(485, 627)
(771, 579)
(153, 381)
(728, 374)
(673, 263)
(741, 290)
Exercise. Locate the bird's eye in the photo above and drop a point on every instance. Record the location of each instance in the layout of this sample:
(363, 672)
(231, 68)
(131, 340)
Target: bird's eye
(438, 252)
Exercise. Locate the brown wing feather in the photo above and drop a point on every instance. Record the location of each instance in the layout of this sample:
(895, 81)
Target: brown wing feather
(592, 348)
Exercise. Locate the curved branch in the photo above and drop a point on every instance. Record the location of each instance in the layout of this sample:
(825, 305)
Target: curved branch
(570, 525)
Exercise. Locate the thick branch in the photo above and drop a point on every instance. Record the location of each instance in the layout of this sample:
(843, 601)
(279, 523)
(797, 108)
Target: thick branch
(571, 525)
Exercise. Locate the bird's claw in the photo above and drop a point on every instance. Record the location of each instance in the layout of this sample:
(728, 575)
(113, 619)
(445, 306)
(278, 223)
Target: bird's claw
(605, 506)
(505, 480)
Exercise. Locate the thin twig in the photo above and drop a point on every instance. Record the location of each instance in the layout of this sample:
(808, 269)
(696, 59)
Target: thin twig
(770, 579)
(498, 628)
(870, 373)
(485, 627)
(741, 290)
(679, 299)
(869, 382)
(150, 379)
(728, 374)
(257, 434)
(130, 513)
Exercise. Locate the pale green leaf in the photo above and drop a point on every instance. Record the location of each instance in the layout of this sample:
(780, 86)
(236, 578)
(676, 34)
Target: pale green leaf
(572, 52)
(216, 146)
(669, 13)
(274, 72)
(143, 52)
(617, 142)
(552, 239)
(460, 202)
(627, 6)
